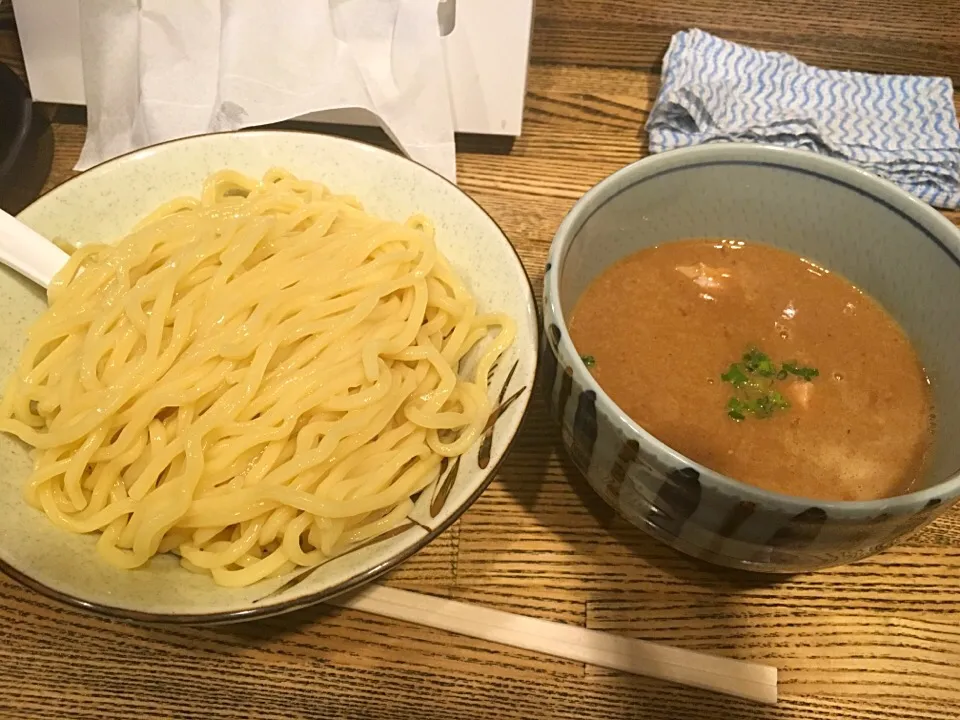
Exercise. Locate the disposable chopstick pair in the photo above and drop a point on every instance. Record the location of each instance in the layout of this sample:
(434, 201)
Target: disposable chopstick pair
(732, 677)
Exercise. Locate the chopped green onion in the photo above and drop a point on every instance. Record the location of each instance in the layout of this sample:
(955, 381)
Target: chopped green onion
(736, 409)
(735, 375)
(807, 373)
(759, 363)
(753, 380)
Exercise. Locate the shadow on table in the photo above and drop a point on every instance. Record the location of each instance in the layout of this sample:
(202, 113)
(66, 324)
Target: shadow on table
(632, 583)
(681, 566)
(31, 166)
(371, 135)
(539, 448)
(275, 629)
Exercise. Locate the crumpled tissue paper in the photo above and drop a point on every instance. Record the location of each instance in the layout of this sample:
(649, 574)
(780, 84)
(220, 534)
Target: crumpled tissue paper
(155, 70)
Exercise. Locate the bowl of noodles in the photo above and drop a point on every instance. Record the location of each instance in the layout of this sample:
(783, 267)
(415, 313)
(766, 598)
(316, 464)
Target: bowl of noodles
(274, 366)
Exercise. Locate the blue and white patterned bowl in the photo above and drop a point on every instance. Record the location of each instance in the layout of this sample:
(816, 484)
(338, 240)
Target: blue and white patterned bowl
(896, 248)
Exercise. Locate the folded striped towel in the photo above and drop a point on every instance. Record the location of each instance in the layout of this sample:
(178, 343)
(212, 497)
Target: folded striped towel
(901, 127)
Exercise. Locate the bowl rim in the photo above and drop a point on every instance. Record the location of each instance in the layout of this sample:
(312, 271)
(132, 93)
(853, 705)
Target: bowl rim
(927, 219)
(355, 582)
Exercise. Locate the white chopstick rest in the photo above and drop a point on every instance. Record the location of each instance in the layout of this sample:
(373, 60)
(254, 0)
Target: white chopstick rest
(732, 677)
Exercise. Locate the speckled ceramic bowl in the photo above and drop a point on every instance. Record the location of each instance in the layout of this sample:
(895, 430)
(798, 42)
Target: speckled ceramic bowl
(103, 204)
(901, 251)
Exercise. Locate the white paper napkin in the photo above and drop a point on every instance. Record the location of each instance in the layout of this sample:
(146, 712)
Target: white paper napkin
(154, 70)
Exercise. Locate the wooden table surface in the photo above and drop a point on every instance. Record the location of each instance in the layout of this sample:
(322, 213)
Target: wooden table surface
(878, 639)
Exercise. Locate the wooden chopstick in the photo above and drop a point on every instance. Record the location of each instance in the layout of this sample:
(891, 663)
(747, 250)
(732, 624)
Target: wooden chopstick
(731, 677)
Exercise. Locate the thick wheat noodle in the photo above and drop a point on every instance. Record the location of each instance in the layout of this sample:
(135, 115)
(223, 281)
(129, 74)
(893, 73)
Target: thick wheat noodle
(257, 380)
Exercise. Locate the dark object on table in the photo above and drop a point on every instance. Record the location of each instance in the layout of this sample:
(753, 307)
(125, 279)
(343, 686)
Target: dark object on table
(22, 169)
(16, 112)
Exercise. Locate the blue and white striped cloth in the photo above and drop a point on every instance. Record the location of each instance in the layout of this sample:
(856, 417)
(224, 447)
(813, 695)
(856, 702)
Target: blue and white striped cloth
(901, 127)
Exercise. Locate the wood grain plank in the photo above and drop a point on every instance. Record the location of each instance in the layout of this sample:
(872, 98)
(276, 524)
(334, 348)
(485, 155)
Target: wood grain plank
(539, 541)
(879, 36)
(10, 53)
(435, 566)
(557, 604)
(827, 650)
